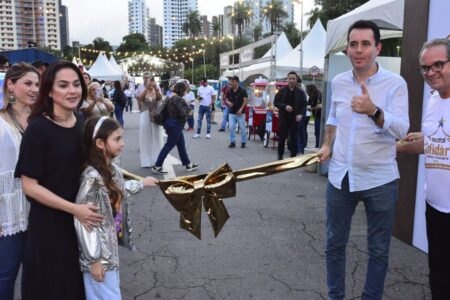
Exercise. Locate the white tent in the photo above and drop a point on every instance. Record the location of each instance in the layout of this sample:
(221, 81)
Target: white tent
(103, 70)
(313, 47)
(282, 48)
(114, 64)
(387, 14)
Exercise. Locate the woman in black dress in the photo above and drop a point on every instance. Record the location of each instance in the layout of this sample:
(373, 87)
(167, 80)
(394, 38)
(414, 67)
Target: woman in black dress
(50, 166)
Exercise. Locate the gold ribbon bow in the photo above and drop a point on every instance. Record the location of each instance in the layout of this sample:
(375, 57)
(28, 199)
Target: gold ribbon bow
(186, 193)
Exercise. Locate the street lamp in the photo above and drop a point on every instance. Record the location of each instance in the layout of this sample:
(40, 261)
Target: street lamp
(192, 68)
(301, 40)
(232, 51)
(204, 63)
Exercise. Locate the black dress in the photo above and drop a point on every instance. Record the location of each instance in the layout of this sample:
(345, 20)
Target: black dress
(52, 155)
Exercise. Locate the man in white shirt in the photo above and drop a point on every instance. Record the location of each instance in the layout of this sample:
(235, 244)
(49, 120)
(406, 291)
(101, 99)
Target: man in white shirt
(207, 96)
(434, 142)
(369, 111)
(189, 97)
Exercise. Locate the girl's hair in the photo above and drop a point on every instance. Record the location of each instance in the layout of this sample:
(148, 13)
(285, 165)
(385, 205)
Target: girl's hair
(44, 102)
(96, 158)
(117, 85)
(179, 88)
(312, 91)
(14, 73)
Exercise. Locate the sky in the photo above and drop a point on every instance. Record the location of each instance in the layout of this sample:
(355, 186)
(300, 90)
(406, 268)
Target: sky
(89, 19)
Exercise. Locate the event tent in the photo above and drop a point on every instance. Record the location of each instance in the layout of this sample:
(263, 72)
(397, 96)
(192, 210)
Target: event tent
(114, 64)
(103, 70)
(387, 14)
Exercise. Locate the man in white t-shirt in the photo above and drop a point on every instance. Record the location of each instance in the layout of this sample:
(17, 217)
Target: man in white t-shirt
(206, 95)
(434, 142)
(190, 101)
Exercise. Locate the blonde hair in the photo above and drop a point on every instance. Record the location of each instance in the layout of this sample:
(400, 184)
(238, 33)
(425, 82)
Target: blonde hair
(14, 73)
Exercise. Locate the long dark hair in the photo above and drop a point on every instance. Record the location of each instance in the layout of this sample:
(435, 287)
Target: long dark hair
(96, 158)
(14, 73)
(313, 92)
(44, 103)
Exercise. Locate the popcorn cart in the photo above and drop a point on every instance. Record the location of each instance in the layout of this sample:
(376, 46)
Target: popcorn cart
(255, 112)
(272, 113)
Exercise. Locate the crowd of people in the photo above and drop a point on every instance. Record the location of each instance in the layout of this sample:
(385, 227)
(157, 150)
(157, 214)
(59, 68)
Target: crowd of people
(65, 203)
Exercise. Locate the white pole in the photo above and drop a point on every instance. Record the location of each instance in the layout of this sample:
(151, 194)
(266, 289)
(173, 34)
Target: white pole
(204, 64)
(301, 41)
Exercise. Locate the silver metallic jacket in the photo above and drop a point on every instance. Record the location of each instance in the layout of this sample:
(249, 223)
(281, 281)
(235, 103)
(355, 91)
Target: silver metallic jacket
(101, 244)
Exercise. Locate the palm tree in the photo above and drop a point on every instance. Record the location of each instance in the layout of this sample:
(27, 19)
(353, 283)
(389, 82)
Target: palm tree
(257, 32)
(292, 33)
(273, 13)
(192, 26)
(241, 15)
(217, 28)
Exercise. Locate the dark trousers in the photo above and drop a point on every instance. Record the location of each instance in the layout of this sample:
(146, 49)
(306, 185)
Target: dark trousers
(287, 128)
(438, 232)
(317, 129)
(190, 119)
(11, 250)
(303, 134)
(129, 104)
(118, 111)
(175, 137)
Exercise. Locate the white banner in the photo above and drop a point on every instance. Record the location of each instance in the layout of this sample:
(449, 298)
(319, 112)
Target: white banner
(246, 55)
(224, 60)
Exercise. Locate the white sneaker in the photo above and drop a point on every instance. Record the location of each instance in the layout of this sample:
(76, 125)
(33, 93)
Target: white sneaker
(196, 136)
(208, 136)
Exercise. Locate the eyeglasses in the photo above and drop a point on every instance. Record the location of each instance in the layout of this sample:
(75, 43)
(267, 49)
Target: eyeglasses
(435, 67)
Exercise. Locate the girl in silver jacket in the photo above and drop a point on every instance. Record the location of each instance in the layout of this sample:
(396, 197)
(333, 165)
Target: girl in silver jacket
(102, 185)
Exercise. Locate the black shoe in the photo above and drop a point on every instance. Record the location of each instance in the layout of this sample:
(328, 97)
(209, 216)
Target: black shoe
(231, 145)
(243, 145)
(221, 130)
(191, 167)
(158, 170)
(280, 157)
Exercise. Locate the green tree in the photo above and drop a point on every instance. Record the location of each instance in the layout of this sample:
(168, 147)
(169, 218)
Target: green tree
(257, 32)
(100, 44)
(133, 42)
(273, 14)
(192, 26)
(331, 9)
(217, 28)
(292, 33)
(240, 15)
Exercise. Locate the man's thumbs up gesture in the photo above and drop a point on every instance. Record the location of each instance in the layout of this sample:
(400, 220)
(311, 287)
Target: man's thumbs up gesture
(363, 104)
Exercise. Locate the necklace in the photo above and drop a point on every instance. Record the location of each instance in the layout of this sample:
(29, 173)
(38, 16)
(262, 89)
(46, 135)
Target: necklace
(16, 123)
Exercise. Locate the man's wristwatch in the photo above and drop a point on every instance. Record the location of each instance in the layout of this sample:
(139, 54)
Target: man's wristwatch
(376, 114)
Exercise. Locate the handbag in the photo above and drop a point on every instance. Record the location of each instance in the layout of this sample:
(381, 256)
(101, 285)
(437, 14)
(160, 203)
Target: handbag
(160, 114)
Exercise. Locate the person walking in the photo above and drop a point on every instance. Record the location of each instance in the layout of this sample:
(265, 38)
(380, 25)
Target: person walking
(190, 101)
(236, 101)
(207, 96)
(120, 101)
(291, 103)
(177, 112)
(368, 113)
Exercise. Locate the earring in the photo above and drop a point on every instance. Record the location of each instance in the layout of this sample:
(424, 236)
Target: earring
(11, 98)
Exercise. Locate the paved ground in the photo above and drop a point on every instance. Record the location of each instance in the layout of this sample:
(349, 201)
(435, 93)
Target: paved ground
(272, 247)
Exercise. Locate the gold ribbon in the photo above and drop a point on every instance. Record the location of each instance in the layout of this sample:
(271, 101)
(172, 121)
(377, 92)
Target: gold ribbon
(186, 194)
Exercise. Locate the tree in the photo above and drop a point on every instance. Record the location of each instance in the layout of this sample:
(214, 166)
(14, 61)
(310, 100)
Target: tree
(331, 9)
(240, 15)
(257, 32)
(273, 13)
(133, 42)
(100, 44)
(192, 27)
(217, 28)
(292, 33)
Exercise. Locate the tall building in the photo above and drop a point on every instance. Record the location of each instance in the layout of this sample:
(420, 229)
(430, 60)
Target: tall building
(175, 12)
(24, 23)
(138, 18)
(63, 24)
(217, 19)
(206, 27)
(257, 7)
(227, 24)
(156, 33)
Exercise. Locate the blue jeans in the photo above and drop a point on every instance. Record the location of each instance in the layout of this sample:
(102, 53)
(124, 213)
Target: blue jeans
(11, 251)
(233, 119)
(109, 288)
(175, 137)
(302, 135)
(202, 110)
(118, 111)
(226, 112)
(380, 205)
(190, 119)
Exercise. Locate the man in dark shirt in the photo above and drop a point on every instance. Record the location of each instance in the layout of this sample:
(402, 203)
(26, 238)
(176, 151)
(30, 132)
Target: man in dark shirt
(291, 102)
(236, 101)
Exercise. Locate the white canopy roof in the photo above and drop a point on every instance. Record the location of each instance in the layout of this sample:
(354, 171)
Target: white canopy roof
(103, 70)
(313, 51)
(114, 64)
(387, 14)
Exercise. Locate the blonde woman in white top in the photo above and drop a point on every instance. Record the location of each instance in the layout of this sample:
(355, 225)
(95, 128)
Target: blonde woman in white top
(150, 134)
(20, 90)
(95, 104)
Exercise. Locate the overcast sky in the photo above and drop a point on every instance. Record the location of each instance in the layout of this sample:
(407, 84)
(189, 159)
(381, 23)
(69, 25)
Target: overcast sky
(89, 19)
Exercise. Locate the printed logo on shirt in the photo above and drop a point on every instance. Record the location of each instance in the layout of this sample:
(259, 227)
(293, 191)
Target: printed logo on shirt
(437, 148)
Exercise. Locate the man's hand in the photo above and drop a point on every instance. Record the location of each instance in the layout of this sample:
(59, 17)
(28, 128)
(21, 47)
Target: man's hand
(97, 271)
(229, 103)
(239, 112)
(324, 153)
(363, 104)
(289, 108)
